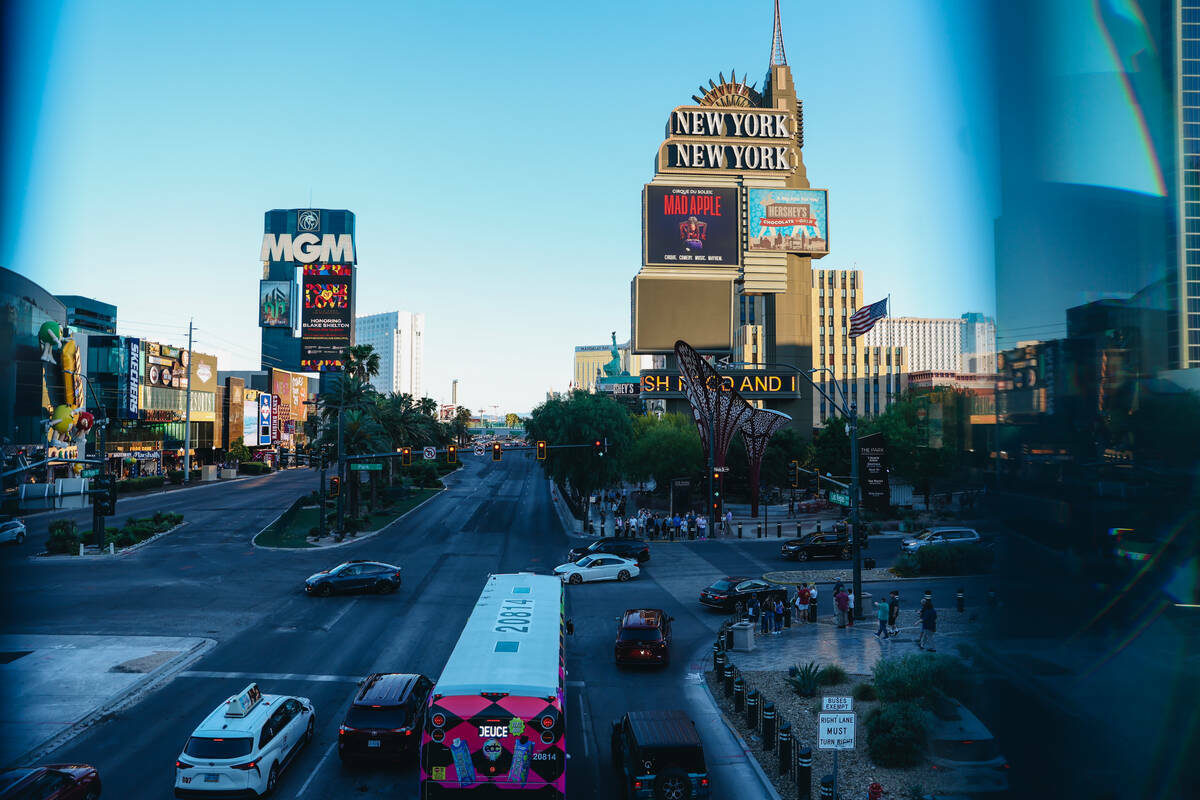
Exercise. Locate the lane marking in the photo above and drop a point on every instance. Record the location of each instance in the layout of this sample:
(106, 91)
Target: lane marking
(270, 676)
(584, 719)
(317, 768)
(338, 616)
(579, 684)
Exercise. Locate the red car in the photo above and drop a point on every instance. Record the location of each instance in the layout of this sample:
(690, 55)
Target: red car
(50, 782)
(643, 637)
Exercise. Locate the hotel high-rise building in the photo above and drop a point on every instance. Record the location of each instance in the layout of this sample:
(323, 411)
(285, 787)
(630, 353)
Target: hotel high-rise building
(399, 339)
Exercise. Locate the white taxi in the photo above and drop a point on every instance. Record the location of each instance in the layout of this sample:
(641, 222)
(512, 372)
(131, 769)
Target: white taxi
(241, 748)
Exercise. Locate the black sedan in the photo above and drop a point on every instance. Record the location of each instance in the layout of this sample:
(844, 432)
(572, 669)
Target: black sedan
(817, 545)
(55, 781)
(354, 576)
(725, 593)
(636, 549)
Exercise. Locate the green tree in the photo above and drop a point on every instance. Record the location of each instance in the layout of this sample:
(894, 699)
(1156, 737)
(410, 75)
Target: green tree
(665, 449)
(362, 362)
(512, 420)
(831, 448)
(460, 425)
(362, 435)
(581, 419)
(238, 450)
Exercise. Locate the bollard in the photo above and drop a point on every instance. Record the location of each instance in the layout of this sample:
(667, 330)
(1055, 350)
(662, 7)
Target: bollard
(778, 530)
(739, 530)
(752, 709)
(112, 549)
(960, 601)
(787, 615)
(728, 679)
(81, 548)
(768, 726)
(827, 788)
(758, 530)
(785, 747)
(739, 695)
(717, 655)
(728, 639)
(803, 772)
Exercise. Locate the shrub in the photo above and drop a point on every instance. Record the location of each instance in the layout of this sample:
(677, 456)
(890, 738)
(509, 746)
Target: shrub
(832, 675)
(925, 679)
(422, 473)
(253, 468)
(906, 565)
(63, 527)
(141, 484)
(803, 680)
(954, 559)
(314, 532)
(865, 692)
(121, 537)
(63, 540)
(897, 734)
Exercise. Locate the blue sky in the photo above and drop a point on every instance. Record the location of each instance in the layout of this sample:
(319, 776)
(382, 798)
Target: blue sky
(493, 152)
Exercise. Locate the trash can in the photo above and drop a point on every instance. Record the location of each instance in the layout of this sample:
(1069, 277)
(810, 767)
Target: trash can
(743, 636)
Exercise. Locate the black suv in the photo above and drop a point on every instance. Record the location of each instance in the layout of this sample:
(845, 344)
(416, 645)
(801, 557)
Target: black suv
(817, 545)
(354, 576)
(613, 546)
(657, 754)
(384, 721)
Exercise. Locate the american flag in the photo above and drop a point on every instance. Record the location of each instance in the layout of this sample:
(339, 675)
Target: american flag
(864, 319)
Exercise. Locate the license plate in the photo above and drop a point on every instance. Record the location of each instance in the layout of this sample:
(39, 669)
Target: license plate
(211, 778)
(372, 743)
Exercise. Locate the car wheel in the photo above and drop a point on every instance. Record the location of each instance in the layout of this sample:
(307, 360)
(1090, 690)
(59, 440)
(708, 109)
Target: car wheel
(383, 587)
(672, 784)
(324, 590)
(21, 538)
(575, 579)
(93, 794)
(802, 555)
(845, 553)
(272, 780)
(623, 575)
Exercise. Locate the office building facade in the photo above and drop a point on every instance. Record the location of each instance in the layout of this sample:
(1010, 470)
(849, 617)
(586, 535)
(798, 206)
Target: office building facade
(88, 315)
(932, 344)
(399, 339)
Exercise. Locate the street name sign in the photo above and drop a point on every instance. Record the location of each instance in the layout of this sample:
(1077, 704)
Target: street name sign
(835, 731)
(479, 449)
(366, 467)
(839, 498)
(89, 473)
(834, 703)
(430, 453)
(720, 469)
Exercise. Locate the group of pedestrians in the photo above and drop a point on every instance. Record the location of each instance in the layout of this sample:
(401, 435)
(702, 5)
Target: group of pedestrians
(888, 613)
(767, 614)
(665, 526)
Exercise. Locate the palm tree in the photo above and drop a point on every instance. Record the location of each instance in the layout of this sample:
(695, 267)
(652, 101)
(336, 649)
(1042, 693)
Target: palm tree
(362, 361)
(361, 435)
(462, 420)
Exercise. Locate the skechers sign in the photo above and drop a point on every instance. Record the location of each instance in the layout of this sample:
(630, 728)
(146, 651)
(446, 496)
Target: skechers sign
(133, 369)
(308, 248)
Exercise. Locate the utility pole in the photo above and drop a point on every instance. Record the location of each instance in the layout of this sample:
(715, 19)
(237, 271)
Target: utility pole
(187, 423)
(854, 547)
(712, 512)
(341, 454)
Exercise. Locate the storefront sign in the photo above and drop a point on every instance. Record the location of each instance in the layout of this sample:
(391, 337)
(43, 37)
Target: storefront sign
(133, 380)
(264, 419)
(787, 220)
(276, 417)
(759, 383)
(158, 415)
(691, 225)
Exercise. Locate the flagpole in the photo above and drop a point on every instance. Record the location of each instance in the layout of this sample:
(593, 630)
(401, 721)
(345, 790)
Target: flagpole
(889, 361)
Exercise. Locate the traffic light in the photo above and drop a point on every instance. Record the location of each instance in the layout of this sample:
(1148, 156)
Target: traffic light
(335, 486)
(794, 468)
(496, 451)
(406, 456)
(598, 448)
(541, 451)
(451, 454)
(106, 502)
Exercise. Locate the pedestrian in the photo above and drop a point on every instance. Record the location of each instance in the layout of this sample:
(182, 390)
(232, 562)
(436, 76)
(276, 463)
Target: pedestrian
(752, 609)
(882, 611)
(841, 602)
(618, 523)
(802, 599)
(702, 524)
(850, 618)
(893, 611)
(928, 626)
(778, 615)
(766, 612)
(729, 523)
(741, 610)
(812, 603)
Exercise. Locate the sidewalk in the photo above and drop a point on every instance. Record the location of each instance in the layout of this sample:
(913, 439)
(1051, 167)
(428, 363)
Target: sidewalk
(55, 686)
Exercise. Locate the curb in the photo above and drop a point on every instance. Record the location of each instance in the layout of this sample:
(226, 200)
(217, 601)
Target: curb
(768, 787)
(360, 537)
(46, 558)
(133, 693)
(52, 512)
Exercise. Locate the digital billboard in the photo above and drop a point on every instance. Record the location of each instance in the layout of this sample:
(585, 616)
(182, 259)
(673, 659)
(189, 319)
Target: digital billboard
(690, 225)
(264, 418)
(275, 304)
(328, 315)
(787, 220)
(757, 383)
(697, 310)
(250, 418)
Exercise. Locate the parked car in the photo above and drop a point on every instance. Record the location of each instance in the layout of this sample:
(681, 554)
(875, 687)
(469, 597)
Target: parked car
(658, 754)
(598, 567)
(964, 753)
(354, 576)
(817, 545)
(244, 745)
(384, 720)
(625, 548)
(933, 536)
(12, 531)
(725, 593)
(50, 782)
(643, 637)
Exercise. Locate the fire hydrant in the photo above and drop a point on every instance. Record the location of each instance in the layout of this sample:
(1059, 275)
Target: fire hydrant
(875, 792)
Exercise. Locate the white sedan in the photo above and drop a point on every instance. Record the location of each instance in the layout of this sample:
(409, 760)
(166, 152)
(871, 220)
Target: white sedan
(12, 531)
(598, 567)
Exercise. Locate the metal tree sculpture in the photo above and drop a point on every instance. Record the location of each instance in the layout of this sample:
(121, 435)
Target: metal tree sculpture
(757, 430)
(711, 400)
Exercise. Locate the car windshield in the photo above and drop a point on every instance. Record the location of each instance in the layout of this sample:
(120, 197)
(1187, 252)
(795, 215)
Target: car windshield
(597, 546)
(965, 749)
(925, 534)
(203, 747)
(585, 561)
(377, 717)
(721, 586)
(640, 635)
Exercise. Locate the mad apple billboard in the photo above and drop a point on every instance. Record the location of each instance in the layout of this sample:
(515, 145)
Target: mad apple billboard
(691, 225)
(328, 315)
(787, 220)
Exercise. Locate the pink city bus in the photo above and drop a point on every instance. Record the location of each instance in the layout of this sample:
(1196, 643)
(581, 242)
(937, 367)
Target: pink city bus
(496, 715)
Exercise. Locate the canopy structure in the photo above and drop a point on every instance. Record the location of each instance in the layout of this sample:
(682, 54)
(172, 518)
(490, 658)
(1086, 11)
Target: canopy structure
(712, 401)
(757, 430)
